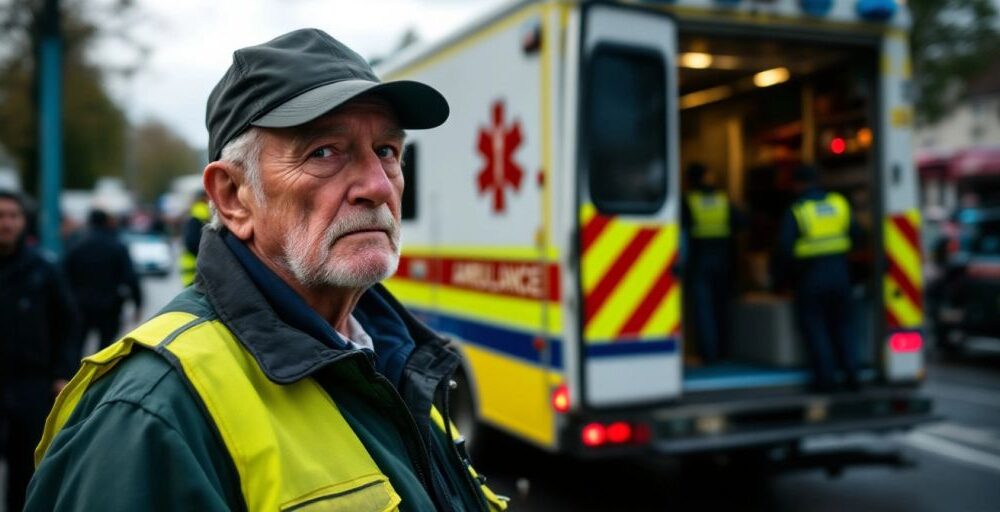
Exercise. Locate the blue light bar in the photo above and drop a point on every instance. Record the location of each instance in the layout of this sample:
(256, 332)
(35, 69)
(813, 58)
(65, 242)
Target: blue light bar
(876, 10)
(816, 7)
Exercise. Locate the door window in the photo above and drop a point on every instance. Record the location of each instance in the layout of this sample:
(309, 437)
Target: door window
(626, 122)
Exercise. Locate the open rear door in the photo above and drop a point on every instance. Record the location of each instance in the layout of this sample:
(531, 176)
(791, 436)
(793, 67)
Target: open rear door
(627, 207)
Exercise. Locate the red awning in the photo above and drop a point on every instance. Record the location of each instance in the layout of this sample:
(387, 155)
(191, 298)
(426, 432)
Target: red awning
(974, 162)
(933, 163)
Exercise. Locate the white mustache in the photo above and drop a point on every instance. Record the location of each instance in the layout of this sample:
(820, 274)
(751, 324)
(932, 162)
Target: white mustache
(380, 219)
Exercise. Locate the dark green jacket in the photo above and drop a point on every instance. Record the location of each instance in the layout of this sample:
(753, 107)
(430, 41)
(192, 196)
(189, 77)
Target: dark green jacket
(140, 438)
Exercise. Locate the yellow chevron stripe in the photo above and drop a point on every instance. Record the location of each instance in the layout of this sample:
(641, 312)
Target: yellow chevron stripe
(633, 287)
(666, 315)
(904, 254)
(587, 212)
(908, 314)
(605, 251)
(525, 314)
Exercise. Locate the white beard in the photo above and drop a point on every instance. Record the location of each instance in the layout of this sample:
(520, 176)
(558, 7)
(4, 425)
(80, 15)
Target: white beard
(348, 271)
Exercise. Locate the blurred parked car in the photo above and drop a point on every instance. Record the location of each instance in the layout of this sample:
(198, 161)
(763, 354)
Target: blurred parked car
(964, 301)
(151, 253)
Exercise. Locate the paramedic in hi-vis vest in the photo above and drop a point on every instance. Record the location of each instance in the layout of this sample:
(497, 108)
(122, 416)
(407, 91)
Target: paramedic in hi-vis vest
(815, 237)
(709, 221)
(286, 377)
(191, 237)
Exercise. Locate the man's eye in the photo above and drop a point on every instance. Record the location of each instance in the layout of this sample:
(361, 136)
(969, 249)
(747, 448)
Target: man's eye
(323, 152)
(386, 152)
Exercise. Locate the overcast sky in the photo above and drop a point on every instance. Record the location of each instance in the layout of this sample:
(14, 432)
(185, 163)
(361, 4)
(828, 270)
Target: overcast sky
(192, 43)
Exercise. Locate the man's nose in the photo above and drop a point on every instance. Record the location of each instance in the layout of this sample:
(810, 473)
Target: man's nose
(370, 184)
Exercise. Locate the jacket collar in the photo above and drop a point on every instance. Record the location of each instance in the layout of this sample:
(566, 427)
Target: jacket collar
(287, 354)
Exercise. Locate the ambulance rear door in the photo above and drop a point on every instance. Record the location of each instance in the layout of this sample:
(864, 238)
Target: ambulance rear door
(627, 235)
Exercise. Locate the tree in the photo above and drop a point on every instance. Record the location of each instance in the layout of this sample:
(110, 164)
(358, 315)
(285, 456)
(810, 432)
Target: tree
(93, 125)
(952, 42)
(160, 156)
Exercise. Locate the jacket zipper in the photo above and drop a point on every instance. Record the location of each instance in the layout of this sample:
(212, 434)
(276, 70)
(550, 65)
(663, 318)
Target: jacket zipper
(464, 461)
(421, 459)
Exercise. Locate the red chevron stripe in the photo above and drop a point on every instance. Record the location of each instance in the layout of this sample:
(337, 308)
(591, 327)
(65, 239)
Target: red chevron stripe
(593, 229)
(607, 284)
(908, 230)
(890, 319)
(642, 314)
(904, 283)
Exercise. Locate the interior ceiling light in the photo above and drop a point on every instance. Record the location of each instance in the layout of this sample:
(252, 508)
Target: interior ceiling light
(696, 60)
(771, 77)
(706, 96)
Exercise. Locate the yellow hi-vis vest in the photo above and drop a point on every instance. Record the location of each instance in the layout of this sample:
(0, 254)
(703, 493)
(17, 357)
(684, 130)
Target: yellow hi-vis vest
(823, 226)
(709, 214)
(188, 262)
(276, 435)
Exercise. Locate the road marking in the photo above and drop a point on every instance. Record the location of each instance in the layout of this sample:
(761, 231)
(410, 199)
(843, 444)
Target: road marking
(963, 394)
(952, 450)
(980, 437)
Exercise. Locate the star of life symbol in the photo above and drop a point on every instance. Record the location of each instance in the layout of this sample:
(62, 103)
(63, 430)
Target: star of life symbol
(497, 144)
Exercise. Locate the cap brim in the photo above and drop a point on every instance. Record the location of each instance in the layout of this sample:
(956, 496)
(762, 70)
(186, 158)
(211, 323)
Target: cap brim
(417, 105)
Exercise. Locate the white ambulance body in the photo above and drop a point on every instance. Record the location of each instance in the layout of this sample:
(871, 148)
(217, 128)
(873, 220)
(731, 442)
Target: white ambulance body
(541, 222)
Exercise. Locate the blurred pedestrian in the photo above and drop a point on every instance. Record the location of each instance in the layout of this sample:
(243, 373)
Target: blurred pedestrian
(103, 278)
(710, 220)
(39, 343)
(191, 237)
(287, 377)
(815, 236)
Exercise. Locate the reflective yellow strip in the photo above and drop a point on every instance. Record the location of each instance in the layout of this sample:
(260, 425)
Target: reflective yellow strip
(495, 502)
(514, 312)
(150, 333)
(546, 62)
(633, 287)
(605, 251)
(587, 212)
(667, 315)
(512, 394)
(274, 432)
(904, 254)
(905, 311)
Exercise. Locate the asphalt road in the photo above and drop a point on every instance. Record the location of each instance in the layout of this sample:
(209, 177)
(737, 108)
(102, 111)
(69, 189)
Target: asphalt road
(956, 466)
(956, 462)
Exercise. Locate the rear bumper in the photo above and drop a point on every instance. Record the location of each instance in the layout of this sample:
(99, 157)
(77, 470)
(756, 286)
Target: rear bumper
(787, 434)
(712, 424)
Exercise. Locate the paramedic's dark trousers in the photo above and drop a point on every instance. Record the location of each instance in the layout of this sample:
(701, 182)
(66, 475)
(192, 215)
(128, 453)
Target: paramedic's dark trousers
(825, 326)
(710, 285)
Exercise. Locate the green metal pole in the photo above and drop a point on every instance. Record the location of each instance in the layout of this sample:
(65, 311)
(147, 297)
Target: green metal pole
(50, 141)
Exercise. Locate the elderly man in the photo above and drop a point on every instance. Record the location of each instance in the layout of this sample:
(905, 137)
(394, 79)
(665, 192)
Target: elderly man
(286, 377)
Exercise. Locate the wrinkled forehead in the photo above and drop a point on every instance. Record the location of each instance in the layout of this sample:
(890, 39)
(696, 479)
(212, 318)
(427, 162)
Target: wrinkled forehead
(364, 109)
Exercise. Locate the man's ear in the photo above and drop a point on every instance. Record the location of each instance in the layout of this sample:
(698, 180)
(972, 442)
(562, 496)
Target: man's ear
(231, 196)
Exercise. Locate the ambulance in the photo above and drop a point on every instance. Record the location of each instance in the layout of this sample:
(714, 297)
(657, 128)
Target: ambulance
(541, 222)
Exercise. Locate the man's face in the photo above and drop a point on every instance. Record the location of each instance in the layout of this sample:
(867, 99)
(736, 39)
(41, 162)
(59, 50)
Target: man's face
(332, 192)
(12, 224)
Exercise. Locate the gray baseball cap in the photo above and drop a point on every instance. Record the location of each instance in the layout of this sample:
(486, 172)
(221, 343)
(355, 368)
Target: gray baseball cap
(297, 77)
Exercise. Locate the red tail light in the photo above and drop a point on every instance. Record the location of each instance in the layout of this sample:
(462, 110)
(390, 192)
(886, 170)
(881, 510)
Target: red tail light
(560, 399)
(619, 432)
(594, 434)
(906, 342)
(838, 145)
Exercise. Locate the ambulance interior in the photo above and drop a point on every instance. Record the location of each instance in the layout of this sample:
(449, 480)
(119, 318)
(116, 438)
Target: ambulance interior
(751, 110)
